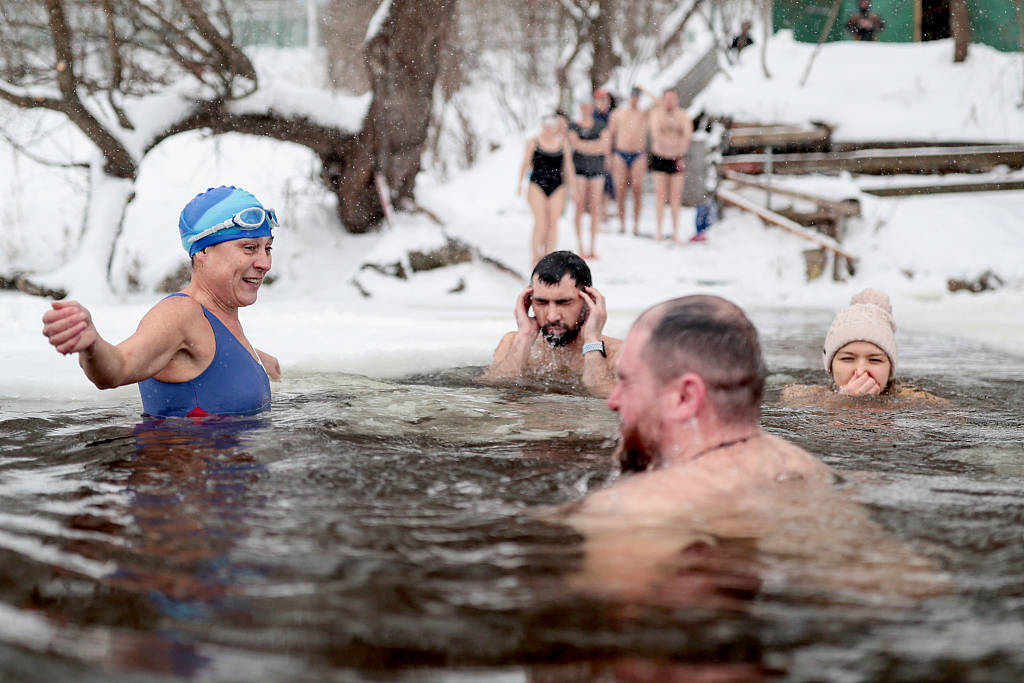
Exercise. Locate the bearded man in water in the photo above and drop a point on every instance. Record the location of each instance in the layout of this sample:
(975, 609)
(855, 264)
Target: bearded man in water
(709, 503)
(563, 338)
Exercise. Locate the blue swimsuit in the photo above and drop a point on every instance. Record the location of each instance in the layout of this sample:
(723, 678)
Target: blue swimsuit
(233, 384)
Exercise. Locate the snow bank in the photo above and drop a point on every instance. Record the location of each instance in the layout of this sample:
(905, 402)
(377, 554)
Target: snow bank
(878, 91)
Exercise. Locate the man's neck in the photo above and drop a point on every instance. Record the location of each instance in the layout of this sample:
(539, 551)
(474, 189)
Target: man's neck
(693, 442)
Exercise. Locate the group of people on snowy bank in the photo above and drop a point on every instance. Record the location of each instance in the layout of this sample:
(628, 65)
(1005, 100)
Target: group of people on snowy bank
(687, 382)
(606, 152)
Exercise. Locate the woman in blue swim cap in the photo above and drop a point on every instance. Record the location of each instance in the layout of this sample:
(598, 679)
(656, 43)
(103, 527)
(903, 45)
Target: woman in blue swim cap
(189, 354)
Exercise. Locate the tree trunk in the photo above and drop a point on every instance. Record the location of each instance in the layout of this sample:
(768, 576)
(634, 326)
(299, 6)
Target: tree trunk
(960, 25)
(403, 59)
(605, 59)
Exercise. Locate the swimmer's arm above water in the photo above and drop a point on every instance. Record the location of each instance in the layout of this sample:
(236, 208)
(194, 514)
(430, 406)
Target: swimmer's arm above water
(598, 369)
(161, 334)
(270, 364)
(513, 352)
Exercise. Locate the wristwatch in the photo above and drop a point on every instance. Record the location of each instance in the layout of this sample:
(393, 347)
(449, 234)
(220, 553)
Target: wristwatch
(595, 346)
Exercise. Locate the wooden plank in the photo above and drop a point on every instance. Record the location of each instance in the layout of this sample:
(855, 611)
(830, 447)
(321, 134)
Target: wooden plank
(948, 188)
(776, 136)
(847, 207)
(741, 202)
(972, 159)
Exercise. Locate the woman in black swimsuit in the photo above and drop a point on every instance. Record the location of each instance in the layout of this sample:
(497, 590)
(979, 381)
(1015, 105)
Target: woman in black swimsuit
(590, 142)
(549, 157)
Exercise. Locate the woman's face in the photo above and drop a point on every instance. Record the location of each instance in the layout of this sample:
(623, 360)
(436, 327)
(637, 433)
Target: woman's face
(861, 368)
(234, 270)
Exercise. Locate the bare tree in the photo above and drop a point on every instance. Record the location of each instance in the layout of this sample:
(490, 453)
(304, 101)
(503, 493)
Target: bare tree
(346, 22)
(404, 61)
(88, 60)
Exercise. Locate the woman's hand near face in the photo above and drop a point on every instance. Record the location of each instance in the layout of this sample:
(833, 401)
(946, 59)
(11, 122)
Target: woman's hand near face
(861, 384)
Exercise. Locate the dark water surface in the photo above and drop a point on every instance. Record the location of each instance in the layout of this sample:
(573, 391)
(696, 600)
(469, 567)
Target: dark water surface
(371, 530)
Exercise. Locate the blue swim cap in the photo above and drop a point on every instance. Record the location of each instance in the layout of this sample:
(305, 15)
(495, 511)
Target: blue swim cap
(216, 205)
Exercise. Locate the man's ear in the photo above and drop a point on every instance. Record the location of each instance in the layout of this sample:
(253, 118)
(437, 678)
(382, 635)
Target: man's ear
(684, 396)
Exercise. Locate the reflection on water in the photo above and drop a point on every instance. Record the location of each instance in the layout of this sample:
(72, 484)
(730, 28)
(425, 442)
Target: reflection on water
(369, 526)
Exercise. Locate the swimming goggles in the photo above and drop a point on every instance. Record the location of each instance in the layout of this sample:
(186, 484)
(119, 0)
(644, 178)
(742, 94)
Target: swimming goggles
(246, 219)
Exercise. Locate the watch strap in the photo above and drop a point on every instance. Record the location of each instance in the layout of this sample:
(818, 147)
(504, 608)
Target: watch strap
(595, 346)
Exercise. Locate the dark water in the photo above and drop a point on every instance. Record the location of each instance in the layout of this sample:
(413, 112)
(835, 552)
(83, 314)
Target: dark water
(372, 530)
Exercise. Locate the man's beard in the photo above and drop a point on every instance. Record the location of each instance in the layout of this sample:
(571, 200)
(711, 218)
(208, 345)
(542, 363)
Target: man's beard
(562, 338)
(632, 454)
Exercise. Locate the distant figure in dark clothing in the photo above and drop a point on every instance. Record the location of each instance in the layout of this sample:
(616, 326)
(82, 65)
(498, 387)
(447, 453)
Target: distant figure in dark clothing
(865, 24)
(604, 104)
(744, 39)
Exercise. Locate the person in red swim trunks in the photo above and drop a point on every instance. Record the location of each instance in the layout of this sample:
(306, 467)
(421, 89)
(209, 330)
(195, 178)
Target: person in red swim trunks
(189, 354)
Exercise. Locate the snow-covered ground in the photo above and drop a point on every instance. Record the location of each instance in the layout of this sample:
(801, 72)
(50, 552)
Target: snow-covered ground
(316, 320)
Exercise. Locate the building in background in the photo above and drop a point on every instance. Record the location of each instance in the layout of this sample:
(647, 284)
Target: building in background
(278, 23)
(993, 22)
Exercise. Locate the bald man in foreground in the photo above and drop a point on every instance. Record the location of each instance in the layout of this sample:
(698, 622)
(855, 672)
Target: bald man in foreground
(708, 500)
(690, 380)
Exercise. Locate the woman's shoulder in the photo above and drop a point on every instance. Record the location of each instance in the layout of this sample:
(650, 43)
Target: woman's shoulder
(916, 394)
(820, 395)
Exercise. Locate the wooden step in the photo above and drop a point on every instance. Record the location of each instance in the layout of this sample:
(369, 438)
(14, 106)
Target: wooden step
(971, 159)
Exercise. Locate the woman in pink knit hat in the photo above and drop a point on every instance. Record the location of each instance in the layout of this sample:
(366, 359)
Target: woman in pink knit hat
(860, 354)
(860, 347)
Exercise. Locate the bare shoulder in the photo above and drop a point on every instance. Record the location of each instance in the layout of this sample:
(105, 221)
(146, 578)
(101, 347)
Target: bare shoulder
(645, 495)
(612, 347)
(793, 460)
(504, 343)
(920, 396)
(176, 309)
(179, 314)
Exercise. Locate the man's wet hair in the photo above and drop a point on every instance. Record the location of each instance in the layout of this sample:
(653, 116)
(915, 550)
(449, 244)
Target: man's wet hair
(713, 338)
(552, 268)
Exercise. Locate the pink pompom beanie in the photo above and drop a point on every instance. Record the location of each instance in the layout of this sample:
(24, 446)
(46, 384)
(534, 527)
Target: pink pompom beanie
(868, 318)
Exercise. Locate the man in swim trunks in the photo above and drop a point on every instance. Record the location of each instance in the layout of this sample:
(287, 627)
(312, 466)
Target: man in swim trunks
(629, 164)
(671, 131)
(189, 354)
(563, 338)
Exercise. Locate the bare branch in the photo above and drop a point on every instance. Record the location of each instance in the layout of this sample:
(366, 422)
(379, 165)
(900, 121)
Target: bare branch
(61, 35)
(21, 149)
(21, 97)
(116, 67)
(166, 29)
(232, 60)
(215, 116)
(678, 32)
